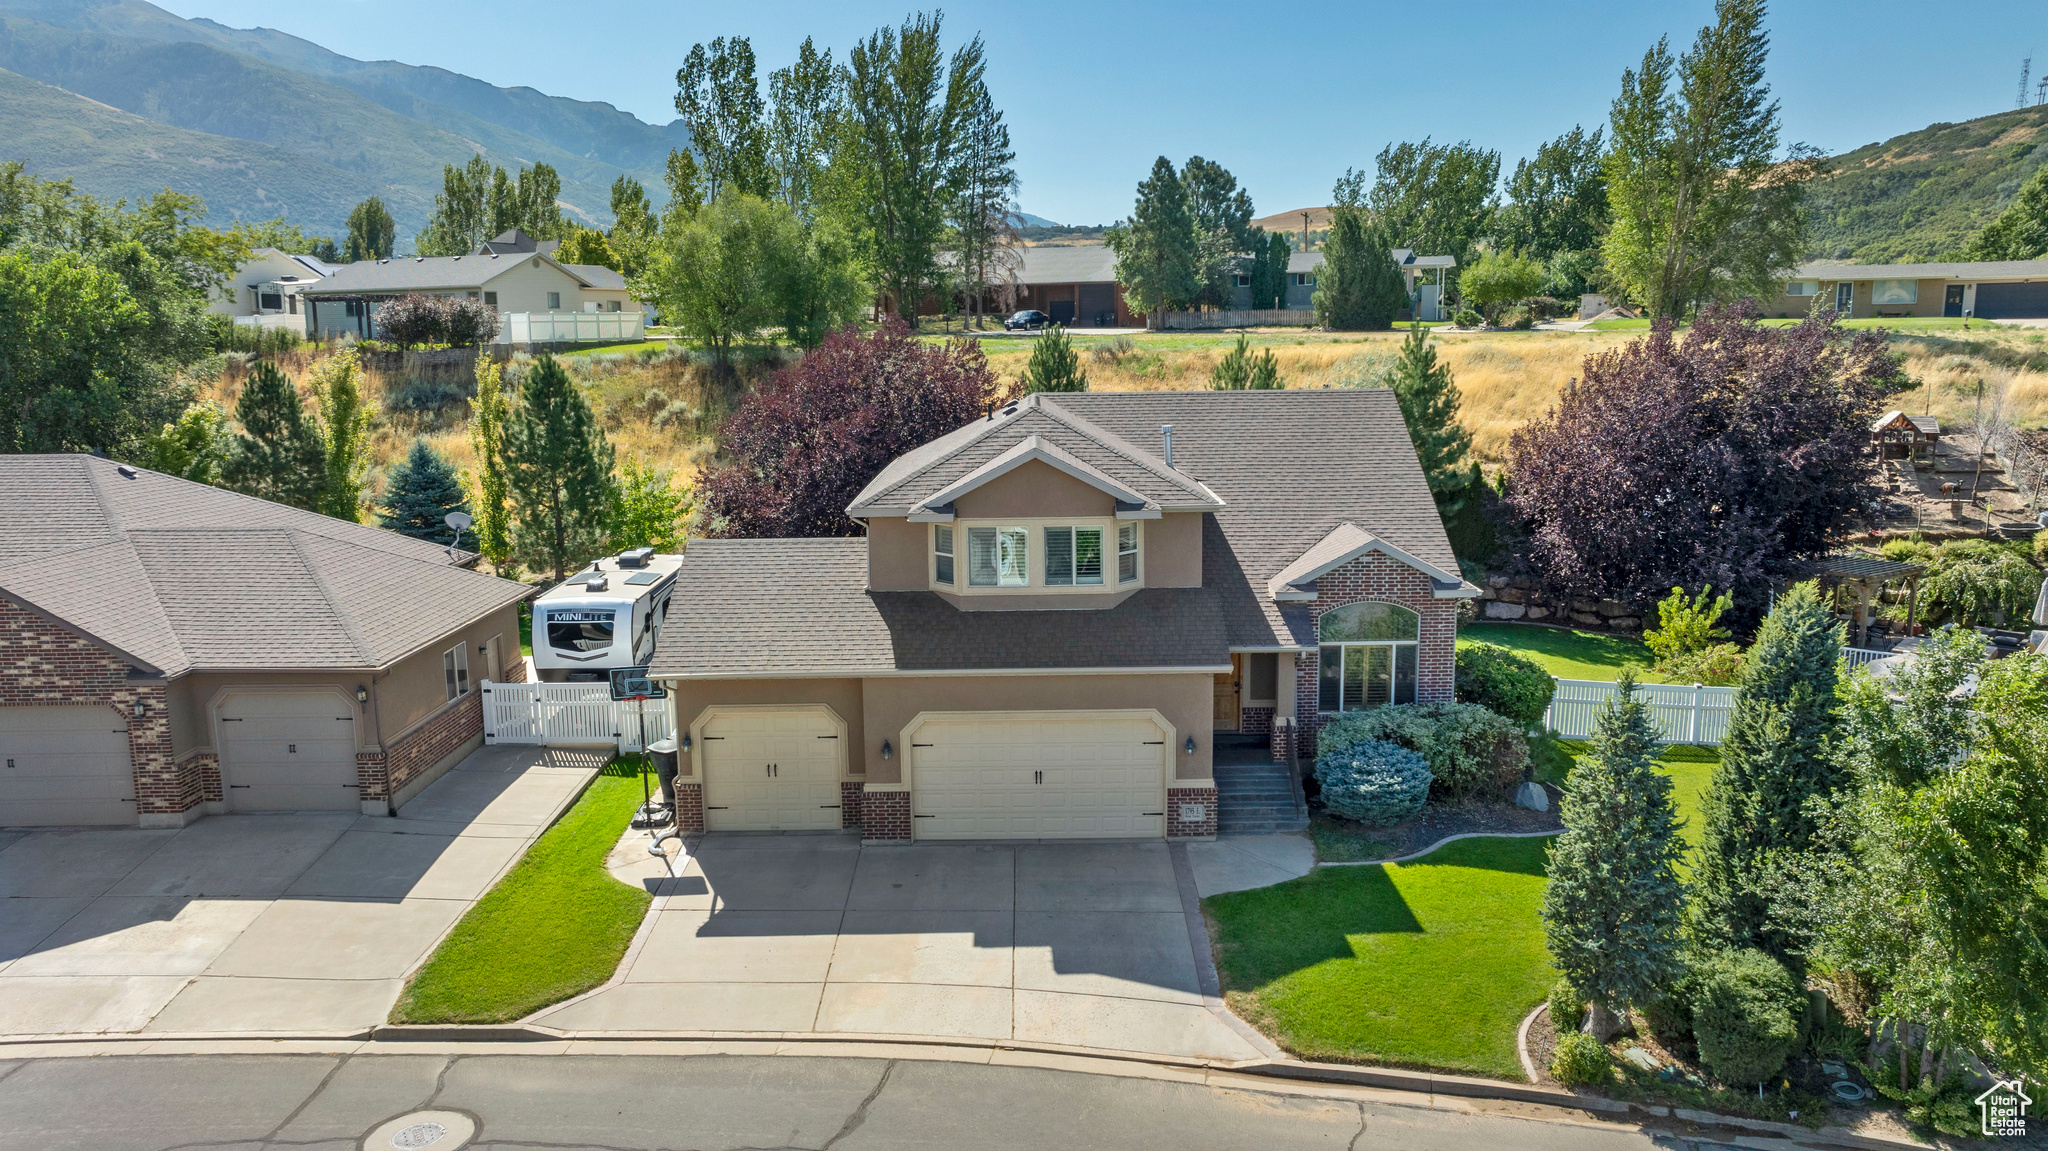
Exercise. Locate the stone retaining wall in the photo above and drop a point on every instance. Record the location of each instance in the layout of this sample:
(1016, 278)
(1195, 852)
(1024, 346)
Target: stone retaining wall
(1502, 598)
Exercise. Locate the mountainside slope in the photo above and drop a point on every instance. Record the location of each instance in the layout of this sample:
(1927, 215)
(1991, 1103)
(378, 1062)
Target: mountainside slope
(116, 154)
(1923, 195)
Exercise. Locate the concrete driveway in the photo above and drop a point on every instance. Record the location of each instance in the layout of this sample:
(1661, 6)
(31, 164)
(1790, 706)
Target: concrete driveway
(1084, 945)
(253, 923)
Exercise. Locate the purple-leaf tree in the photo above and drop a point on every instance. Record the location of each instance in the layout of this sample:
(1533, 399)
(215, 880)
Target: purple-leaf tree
(804, 443)
(1721, 458)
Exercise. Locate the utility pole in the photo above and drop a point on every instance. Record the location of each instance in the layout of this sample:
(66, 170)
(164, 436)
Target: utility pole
(2026, 70)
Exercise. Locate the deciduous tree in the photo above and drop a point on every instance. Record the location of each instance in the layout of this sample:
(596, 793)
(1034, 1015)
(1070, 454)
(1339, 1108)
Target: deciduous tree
(2021, 231)
(558, 468)
(651, 511)
(803, 444)
(1438, 199)
(720, 103)
(1497, 279)
(344, 434)
(1557, 199)
(372, 233)
(489, 485)
(802, 123)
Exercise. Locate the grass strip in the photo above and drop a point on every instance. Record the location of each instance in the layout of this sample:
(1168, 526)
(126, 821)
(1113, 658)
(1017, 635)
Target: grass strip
(555, 926)
(1565, 652)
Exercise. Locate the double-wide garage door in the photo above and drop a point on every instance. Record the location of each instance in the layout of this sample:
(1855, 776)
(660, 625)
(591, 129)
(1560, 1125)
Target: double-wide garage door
(1072, 775)
(64, 766)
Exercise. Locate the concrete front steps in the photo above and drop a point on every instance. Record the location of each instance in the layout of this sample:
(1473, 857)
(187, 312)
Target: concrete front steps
(1254, 795)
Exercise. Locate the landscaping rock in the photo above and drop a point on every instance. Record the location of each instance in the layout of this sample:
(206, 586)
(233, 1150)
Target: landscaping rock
(1585, 605)
(1500, 610)
(1611, 607)
(1641, 1058)
(1497, 582)
(1625, 622)
(1537, 611)
(1513, 595)
(1532, 796)
(1587, 618)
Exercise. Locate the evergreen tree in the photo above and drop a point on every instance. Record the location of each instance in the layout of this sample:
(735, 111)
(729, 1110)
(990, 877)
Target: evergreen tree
(1611, 912)
(559, 468)
(1429, 403)
(419, 494)
(371, 232)
(1158, 260)
(1358, 287)
(279, 454)
(1269, 271)
(489, 485)
(1240, 370)
(345, 434)
(1774, 758)
(1054, 365)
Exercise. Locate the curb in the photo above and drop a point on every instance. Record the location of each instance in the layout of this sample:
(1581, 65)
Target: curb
(1414, 855)
(1522, 1041)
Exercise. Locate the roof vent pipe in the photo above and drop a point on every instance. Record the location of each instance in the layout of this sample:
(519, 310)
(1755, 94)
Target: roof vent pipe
(1166, 433)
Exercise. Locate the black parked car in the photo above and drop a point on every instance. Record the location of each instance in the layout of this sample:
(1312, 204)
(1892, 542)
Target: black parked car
(1029, 320)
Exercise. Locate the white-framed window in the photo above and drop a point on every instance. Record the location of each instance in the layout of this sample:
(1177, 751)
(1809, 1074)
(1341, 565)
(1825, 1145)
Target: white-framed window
(998, 557)
(1126, 553)
(491, 299)
(1803, 288)
(554, 301)
(1884, 292)
(1302, 279)
(942, 553)
(1368, 655)
(455, 670)
(1241, 281)
(1073, 556)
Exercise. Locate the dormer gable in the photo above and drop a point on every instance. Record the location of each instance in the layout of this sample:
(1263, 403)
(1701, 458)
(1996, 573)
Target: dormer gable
(1347, 542)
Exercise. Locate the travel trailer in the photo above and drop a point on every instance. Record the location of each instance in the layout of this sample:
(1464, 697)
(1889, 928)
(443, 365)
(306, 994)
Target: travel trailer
(605, 616)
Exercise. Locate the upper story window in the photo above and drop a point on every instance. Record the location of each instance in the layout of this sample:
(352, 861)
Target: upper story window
(554, 301)
(1368, 656)
(1036, 554)
(1241, 281)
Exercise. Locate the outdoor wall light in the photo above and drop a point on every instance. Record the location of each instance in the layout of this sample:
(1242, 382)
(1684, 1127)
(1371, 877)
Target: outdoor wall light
(683, 744)
(887, 751)
(141, 708)
(362, 694)
(1189, 747)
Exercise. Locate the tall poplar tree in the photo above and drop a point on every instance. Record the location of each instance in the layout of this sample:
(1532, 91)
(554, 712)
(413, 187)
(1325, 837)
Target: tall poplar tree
(489, 485)
(371, 232)
(1429, 404)
(344, 434)
(559, 467)
(278, 455)
(1774, 758)
(1157, 258)
(720, 103)
(803, 116)
(1611, 912)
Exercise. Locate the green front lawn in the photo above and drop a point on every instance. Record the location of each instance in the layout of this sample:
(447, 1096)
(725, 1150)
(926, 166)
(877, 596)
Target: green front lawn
(1567, 653)
(1428, 964)
(555, 926)
(1689, 768)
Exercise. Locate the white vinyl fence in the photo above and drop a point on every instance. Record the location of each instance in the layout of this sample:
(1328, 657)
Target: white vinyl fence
(1683, 713)
(572, 327)
(1858, 656)
(579, 714)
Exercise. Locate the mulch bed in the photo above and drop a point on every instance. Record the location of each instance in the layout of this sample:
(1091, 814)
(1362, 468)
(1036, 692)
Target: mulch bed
(1543, 1048)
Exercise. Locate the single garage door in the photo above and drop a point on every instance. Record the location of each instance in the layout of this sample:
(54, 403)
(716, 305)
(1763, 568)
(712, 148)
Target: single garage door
(1029, 776)
(289, 751)
(771, 771)
(64, 766)
(2012, 301)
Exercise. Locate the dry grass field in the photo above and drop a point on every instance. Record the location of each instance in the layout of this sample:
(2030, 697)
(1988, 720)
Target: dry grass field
(653, 401)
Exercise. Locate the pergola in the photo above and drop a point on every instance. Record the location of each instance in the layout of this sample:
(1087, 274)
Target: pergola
(1898, 435)
(1866, 576)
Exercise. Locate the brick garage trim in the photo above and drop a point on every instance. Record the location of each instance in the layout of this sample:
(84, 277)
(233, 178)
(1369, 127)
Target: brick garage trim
(44, 662)
(689, 805)
(885, 816)
(1375, 577)
(850, 791)
(1178, 799)
(419, 749)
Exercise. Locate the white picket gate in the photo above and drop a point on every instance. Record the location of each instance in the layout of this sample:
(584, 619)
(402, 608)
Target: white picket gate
(1684, 713)
(579, 714)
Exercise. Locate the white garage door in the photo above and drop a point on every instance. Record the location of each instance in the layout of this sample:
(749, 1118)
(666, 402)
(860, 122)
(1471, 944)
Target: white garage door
(771, 771)
(288, 751)
(62, 766)
(1064, 776)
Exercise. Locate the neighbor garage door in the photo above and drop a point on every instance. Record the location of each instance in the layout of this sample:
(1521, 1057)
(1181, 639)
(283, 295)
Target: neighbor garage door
(771, 771)
(288, 751)
(64, 766)
(2012, 301)
(1035, 776)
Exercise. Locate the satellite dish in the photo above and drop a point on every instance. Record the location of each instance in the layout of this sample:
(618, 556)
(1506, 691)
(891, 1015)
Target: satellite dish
(460, 521)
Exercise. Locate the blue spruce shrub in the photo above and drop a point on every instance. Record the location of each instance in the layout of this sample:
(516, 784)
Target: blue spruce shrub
(1374, 782)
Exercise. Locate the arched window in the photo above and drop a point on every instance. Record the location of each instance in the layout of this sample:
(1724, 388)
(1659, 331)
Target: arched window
(1368, 656)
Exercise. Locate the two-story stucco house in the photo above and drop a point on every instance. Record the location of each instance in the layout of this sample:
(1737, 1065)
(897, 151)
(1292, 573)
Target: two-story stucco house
(1054, 612)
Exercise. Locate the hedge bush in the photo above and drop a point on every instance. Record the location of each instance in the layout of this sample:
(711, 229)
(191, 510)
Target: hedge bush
(1504, 683)
(1374, 782)
(1467, 318)
(1746, 1011)
(1567, 1008)
(1580, 1060)
(1470, 750)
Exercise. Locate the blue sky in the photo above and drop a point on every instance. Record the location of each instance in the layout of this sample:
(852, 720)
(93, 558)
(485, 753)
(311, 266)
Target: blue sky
(1284, 95)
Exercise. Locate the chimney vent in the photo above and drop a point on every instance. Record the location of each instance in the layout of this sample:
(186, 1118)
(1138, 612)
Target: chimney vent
(1166, 433)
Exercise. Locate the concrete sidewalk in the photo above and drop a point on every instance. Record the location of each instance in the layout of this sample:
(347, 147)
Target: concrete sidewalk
(261, 923)
(1076, 944)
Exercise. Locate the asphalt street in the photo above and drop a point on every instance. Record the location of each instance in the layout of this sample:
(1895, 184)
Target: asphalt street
(113, 1103)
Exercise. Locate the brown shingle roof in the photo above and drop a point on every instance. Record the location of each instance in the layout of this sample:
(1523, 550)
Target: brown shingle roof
(184, 577)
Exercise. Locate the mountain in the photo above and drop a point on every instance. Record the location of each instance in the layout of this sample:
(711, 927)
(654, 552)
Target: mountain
(1027, 220)
(1318, 220)
(367, 120)
(1923, 195)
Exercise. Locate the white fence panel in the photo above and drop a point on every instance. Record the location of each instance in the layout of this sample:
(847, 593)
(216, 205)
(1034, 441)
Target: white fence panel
(569, 713)
(1858, 656)
(572, 327)
(1683, 713)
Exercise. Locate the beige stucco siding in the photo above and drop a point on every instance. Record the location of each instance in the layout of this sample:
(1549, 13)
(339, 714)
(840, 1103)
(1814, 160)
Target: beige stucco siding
(1173, 550)
(1037, 490)
(689, 698)
(415, 687)
(1187, 702)
(898, 554)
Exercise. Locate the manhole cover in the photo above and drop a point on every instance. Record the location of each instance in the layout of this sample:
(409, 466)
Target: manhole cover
(423, 1130)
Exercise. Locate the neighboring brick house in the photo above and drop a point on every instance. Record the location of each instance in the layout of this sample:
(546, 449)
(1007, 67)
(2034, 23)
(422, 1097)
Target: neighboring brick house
(169, 649)
(1055, 613)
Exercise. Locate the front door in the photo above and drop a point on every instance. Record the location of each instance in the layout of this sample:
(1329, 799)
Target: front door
(1230, 696)
(1845, 299)
(1952, 302)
